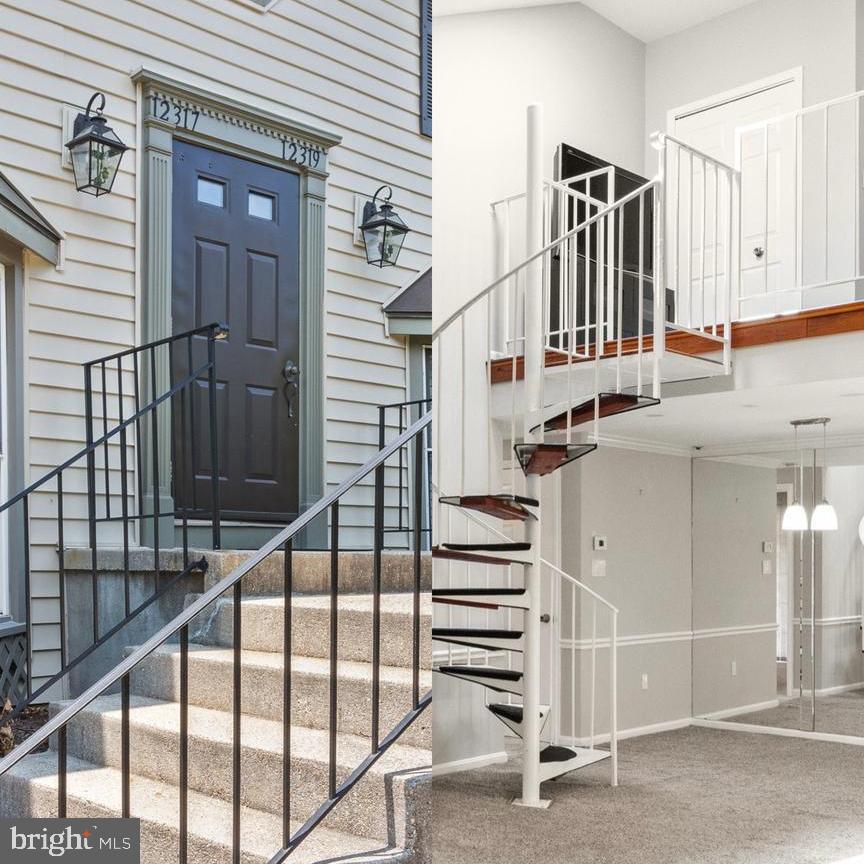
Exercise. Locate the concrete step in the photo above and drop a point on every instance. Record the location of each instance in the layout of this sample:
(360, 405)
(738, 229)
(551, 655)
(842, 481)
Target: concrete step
(368, 810)
(30, 788)
(263, 617)
(311, 571)
(211, 683)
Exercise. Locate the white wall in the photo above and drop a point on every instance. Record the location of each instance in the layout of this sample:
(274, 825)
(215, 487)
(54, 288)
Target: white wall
(488, 67)
(734, 512)
(749, 43)
(641, 503)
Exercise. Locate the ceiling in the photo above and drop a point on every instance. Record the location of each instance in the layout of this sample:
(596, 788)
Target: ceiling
(645, 19)
(754, 421)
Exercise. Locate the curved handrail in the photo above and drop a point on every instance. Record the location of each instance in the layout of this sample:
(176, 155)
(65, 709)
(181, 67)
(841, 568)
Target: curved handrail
(194, 609)
(601, 214)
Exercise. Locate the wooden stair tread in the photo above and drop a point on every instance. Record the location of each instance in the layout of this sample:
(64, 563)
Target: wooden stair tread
(543, 459)
(610, 404)
(505, 507)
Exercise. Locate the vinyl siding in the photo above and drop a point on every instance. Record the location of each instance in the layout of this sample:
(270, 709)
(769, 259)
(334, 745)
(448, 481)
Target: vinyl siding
(351, 67)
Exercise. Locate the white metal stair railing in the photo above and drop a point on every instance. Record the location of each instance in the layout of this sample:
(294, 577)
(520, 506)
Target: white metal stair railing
(803, 250)
(570, 646)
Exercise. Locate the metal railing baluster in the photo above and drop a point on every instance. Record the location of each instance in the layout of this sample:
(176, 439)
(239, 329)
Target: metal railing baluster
(61, 773)
(105, 448)
(377, 543)
(334, 641)
(154, 431)
(236, 788)
(139, 457)
(214, 449)
(28, 597)
(287, 649)
(418, 491)
(124, 745)
(91, 494)
(61, 569)
(184, 743)
(124, 502)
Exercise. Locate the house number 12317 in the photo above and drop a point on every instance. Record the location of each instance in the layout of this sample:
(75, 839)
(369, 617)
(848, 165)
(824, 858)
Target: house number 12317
(172, 112)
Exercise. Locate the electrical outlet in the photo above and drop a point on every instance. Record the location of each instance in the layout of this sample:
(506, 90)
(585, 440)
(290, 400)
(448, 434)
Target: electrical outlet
(734, 668)
(644, 680)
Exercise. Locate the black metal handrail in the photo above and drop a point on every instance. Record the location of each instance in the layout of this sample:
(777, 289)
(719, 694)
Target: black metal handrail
(232, 582)
(403, 418)
(176, 392)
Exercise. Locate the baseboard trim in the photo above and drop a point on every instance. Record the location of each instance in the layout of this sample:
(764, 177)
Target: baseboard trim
(469, 764)
(741, 709)
(840, 688)
(829, 737)
(633, 732)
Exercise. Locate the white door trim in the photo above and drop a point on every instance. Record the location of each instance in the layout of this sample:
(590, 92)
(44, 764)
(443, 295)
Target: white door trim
(5, 597)
(795, 76)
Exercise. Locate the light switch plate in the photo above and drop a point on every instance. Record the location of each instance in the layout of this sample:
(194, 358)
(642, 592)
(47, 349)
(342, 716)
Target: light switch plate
(598, 567)
(767, 567)
(600, 542)
(767, 547)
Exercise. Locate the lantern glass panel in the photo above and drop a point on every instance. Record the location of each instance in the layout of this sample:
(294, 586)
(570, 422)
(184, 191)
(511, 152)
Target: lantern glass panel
(374, 240)
(395, 237)
(81, 164)
(104, 162)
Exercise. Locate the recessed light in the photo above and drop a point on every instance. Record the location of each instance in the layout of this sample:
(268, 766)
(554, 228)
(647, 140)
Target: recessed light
(852, 395)
(654, 414)
(748, 405)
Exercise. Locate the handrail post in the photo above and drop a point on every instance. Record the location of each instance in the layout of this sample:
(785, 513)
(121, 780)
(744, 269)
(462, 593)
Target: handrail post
(659, 341)
(534, 371)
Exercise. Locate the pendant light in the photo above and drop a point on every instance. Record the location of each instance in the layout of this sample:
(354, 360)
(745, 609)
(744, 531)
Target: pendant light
(795, 516)
(824, 517)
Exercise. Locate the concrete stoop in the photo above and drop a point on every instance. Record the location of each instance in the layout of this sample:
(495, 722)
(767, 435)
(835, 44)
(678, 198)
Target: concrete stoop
(383, 819)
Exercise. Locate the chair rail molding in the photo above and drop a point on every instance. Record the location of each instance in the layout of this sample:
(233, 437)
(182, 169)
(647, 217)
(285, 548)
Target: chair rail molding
(173, 109)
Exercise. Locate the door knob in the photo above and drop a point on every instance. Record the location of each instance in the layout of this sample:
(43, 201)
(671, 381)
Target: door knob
(758, 251)
(545, 617)
(290, 372)
(291, 376)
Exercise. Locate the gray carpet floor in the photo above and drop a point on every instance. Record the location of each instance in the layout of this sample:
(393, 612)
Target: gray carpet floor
(693, 796)
(842, 714)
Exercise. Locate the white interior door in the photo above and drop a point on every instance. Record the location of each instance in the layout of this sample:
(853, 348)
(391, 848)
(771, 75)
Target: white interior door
(768, 212)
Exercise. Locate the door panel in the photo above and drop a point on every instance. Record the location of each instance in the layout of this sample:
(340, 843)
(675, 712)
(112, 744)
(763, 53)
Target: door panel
(767, 253)
(236, 260)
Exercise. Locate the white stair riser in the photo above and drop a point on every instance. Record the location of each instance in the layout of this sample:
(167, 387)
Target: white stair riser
(263, 631)
(211, 686)
(154, 753)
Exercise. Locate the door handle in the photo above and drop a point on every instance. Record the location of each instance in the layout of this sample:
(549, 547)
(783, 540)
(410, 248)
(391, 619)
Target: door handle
(291, 379)
(758, 251)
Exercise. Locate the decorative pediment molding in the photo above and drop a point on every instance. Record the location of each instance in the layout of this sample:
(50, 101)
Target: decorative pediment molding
(189, 109)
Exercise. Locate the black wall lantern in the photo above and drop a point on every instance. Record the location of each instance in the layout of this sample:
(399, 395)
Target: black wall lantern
(383, 231)
(96, 150)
